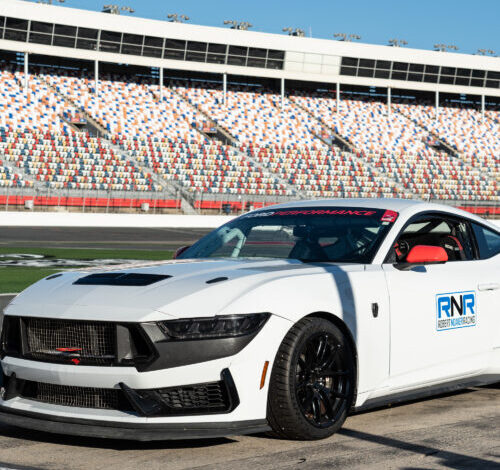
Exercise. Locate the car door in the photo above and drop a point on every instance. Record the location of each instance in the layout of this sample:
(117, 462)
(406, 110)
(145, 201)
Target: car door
(440, 319)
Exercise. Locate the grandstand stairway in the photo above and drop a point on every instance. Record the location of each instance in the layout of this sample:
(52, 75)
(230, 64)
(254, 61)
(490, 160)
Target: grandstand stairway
(235, 144)
(174, 190)
(449, 149)
(97, 128)
(348, 145)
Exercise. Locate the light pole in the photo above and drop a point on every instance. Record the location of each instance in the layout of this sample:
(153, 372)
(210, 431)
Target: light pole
(347, 37)
(241, 25)
(116, 9)
(486, 52)
(175, 18)
(445, 47)
(295, 32)
(397, 42)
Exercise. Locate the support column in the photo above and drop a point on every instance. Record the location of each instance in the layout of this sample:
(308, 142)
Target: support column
(282, 92)
(224, 88)
(26, 68)
(482, 107)
(161, 83)
(96, 77)
(437, 104)
(338, 96)
(389, 103)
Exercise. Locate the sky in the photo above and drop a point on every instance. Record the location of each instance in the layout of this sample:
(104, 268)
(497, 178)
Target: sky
(470, 25)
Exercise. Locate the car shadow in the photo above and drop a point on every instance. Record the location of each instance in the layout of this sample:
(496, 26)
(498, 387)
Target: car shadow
(14, 432)
(448, 459)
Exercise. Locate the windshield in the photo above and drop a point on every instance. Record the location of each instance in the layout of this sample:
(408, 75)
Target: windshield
(334, 234)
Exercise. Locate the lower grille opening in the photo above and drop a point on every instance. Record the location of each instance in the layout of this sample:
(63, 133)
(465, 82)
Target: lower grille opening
(204, 397)
(82, 397)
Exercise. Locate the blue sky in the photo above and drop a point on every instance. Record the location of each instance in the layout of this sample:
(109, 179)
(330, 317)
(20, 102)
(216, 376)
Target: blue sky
(469, 25)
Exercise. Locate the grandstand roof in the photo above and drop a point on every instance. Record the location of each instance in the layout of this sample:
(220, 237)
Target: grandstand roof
(177, 46)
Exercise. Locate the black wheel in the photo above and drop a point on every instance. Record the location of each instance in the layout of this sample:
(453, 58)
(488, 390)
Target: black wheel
(312, 381)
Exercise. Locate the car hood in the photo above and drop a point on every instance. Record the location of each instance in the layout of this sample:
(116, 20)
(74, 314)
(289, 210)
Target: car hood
(193, 288)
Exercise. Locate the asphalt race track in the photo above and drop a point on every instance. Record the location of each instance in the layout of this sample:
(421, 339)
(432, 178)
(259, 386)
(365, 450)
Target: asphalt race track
(81, 237)
(457, 431)
(454, 431)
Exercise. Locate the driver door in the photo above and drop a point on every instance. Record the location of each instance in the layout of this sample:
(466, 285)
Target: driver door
(439, 322)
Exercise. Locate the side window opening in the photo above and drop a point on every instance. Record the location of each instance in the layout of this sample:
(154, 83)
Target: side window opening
(453, 235)
(488, 241)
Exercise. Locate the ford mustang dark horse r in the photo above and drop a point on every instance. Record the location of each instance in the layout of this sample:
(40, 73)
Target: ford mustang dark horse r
(284, 319)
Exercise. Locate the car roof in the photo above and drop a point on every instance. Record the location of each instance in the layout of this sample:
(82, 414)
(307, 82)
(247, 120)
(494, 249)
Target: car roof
(408, 207)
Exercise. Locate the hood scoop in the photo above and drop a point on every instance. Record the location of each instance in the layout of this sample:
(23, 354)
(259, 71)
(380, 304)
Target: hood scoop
(120, 279)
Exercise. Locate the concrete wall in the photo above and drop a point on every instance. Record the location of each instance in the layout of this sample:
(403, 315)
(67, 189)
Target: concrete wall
(65, 219)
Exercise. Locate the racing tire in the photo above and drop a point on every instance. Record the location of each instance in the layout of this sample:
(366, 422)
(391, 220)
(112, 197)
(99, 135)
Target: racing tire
(311, 389)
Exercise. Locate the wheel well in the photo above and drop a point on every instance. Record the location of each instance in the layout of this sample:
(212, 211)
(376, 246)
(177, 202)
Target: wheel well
(347, 333)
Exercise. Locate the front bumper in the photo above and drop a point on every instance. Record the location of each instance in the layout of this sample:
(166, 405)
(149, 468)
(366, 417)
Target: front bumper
(135, 431)
(245, 367)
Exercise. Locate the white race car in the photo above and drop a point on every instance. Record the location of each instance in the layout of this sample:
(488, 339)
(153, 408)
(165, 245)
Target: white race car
(284, 319)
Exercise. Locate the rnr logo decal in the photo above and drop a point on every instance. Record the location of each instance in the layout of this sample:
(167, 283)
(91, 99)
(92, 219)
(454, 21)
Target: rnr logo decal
(456, 310)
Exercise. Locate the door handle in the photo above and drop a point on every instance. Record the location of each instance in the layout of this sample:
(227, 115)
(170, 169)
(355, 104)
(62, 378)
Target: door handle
(489, 286)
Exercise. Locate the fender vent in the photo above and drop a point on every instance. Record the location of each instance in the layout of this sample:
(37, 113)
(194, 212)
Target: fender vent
(120, 279)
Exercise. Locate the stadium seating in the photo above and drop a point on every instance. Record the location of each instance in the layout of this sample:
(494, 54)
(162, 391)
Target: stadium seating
(203, 166)
(399, 147)
(9, 179)
(463, 129)
(73, 161)
(321, 172)
(279, 146)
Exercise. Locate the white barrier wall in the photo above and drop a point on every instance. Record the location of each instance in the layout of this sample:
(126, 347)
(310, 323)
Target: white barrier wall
(65, 219)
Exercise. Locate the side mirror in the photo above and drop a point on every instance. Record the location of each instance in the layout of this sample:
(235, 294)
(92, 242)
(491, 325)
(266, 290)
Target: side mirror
(180, 250)
(424, 254)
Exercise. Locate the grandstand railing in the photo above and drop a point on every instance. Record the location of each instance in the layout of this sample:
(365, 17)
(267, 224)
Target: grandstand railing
(165, 202)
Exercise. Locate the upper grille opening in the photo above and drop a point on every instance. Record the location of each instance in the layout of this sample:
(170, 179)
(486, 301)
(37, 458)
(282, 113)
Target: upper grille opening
(120, 279)
(64, 340)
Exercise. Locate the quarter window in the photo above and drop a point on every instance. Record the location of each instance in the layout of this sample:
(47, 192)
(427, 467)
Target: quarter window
(487, 240)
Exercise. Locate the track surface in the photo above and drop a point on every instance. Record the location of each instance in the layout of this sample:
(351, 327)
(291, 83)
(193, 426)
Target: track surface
(457, 431)
(80, 237)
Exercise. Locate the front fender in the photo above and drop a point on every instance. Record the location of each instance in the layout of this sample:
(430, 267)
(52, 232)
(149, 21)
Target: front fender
(349, 296)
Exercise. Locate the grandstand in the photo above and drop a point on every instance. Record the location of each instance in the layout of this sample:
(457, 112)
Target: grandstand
(107, 112)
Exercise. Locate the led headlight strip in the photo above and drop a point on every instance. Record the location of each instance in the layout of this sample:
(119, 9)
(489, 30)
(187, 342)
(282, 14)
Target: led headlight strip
(223, 326)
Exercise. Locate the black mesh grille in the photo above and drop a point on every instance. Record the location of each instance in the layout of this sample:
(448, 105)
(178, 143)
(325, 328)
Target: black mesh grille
(210, 396)
(66, 340)
(83, 397)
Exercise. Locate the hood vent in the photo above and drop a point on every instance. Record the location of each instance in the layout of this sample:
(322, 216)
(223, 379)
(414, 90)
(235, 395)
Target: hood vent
(120, 279)
(217, 279)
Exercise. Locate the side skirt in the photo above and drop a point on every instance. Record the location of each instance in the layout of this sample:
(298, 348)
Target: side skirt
(427, 391)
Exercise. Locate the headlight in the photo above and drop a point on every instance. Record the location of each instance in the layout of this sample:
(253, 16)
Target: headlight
(224, 326)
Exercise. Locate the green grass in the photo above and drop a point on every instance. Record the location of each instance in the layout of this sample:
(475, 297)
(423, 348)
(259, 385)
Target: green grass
(89, 253)
(14, 279)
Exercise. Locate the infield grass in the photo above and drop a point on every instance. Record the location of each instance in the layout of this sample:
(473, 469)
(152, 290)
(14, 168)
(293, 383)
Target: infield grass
(14, 279)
